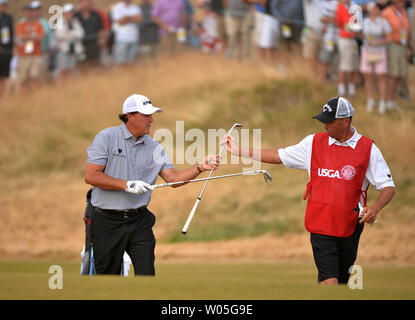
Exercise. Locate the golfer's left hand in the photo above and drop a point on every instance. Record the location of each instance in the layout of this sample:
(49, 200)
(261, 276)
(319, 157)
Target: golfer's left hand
(138, 187)
(368, 215)
(209, 163)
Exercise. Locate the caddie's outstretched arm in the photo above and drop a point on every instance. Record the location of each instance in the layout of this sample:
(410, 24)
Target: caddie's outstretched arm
(263, 155)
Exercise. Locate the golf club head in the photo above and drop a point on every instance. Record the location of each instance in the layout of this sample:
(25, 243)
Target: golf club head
(267, 176)
(235, 125)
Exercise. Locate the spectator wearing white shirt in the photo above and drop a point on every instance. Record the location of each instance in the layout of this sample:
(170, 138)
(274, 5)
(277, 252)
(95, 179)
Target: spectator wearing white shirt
(69, 42)
(312, 32)
(126, 17)
(266, 33)
(376, 34)
(329, 52)
(341, 164)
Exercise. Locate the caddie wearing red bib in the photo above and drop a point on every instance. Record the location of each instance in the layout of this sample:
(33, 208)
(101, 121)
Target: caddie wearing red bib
(341, 164)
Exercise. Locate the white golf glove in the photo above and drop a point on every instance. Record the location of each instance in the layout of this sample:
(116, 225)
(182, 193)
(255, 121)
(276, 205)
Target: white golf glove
(138, 187)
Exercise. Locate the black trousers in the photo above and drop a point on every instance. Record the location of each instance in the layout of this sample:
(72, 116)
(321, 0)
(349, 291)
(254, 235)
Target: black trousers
(334, 255)
(113, 234)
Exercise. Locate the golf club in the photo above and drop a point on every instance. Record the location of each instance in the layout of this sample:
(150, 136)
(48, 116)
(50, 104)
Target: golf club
(267, 178)
(190, 217)
(361, 209)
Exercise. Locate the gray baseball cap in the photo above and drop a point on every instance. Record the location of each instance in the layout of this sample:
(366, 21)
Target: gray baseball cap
(335, 108)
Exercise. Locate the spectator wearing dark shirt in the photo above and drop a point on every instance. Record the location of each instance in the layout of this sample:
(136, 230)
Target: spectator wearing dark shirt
(92, 25)
(6, 44)
(104, 36)
(149, 30)
(289, 14)
(218, 8)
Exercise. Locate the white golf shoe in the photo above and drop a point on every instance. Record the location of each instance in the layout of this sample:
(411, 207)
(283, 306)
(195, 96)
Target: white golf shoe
(382, 107)
(392, 105)
(370, 104)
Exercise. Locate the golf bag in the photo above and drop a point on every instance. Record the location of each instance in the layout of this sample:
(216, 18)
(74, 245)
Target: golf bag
(87, 264)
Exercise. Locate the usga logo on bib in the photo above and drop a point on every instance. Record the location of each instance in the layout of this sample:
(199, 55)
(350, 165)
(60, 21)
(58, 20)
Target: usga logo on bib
(347, 173)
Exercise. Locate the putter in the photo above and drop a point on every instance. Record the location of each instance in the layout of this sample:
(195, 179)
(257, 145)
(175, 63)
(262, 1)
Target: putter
(267, 178)
(190, 217)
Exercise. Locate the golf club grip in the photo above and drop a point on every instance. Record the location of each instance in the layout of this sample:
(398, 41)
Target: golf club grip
(190, 217)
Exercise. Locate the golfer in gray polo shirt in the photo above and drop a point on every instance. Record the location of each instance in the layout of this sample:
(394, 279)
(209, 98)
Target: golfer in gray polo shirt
(123, 162)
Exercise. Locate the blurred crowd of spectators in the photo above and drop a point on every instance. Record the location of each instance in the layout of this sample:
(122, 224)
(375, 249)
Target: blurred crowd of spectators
(347, 42)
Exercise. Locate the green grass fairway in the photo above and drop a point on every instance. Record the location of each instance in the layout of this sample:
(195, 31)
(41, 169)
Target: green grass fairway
(204, 281)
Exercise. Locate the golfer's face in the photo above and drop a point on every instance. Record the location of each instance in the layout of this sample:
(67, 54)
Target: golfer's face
(141, 123)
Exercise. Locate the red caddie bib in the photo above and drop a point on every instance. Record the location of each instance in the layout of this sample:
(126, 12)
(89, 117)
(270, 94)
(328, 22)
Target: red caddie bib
(335, 187)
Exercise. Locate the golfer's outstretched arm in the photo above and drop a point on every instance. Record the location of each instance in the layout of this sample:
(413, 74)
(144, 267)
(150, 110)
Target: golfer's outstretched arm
(173, 175)
(263, 155)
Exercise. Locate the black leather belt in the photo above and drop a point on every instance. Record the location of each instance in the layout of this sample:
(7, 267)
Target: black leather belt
(121, 213)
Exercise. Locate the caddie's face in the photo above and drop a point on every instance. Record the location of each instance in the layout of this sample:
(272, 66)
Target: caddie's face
(336, 128)
(140, 123)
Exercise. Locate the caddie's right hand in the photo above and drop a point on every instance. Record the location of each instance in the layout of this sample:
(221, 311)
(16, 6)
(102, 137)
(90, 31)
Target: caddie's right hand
(138, 187)
(231, 145)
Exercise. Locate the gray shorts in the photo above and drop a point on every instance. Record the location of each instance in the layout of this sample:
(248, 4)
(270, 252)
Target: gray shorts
(125, 52)
(66, 61)
(327, 56)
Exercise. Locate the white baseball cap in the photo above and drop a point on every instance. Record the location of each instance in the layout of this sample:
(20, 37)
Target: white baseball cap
(69, 7)
(35, 5)
(139, 103)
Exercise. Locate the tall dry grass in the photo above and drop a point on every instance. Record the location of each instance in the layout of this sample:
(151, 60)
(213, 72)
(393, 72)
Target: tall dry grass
(44, 136)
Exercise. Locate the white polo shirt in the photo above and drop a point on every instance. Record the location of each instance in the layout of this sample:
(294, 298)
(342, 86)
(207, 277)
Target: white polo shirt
(299, 157)
(128, 32)
(313, 13)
